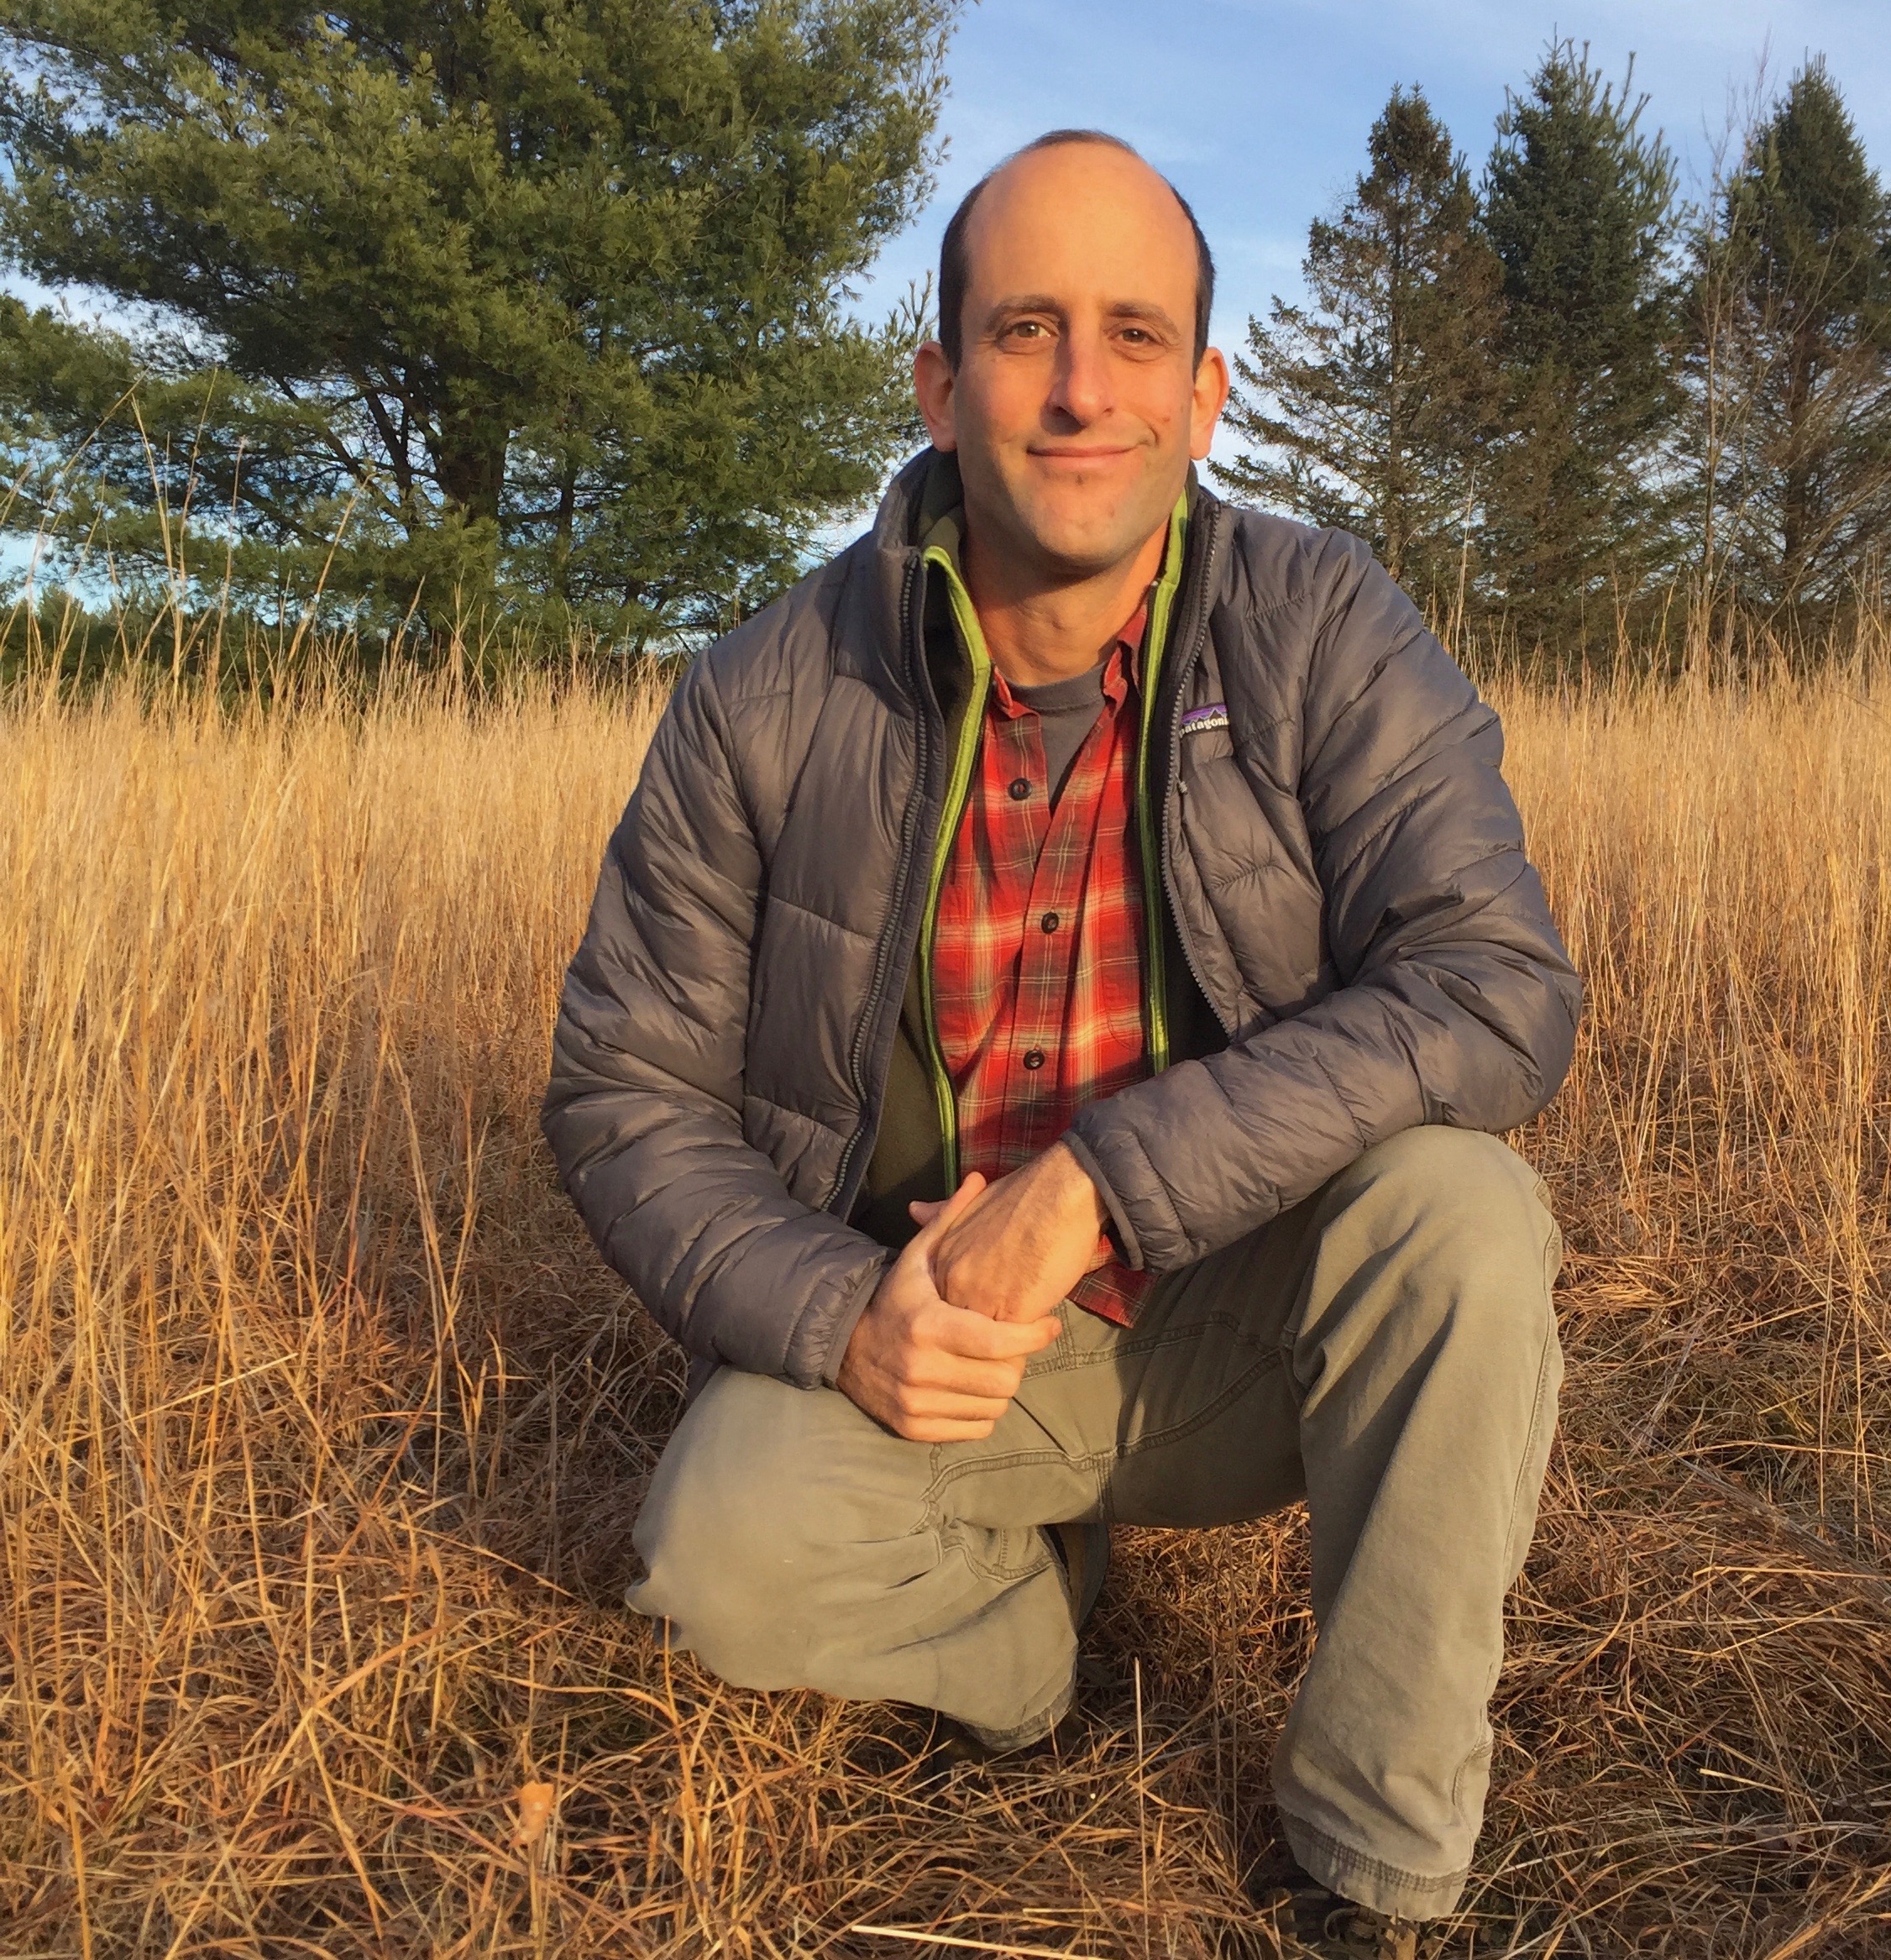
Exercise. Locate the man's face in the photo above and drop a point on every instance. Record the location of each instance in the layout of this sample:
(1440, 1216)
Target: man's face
(1078, 403)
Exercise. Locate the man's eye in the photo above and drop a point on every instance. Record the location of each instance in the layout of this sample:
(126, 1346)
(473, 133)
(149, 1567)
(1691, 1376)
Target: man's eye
(1020, 329)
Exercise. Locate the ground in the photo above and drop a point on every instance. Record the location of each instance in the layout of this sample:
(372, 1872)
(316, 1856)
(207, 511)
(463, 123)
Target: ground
(323, 1427)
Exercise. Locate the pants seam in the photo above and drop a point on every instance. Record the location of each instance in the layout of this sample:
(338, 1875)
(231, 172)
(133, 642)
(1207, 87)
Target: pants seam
(1131, 1345)
(1484, 1751)
(986, 1569)
(1530, 1439)
(1093, 1460)
(1178, 1432)
(1012, 1459)
(1181, 1431)
(933, 1519)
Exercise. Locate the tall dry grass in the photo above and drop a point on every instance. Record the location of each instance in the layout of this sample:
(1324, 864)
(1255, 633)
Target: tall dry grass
(321, 1429)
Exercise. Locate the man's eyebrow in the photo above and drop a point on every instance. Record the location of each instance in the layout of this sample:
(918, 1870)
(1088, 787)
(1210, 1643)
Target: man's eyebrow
(1039, 302)
(1023, 302)
(1143, 310)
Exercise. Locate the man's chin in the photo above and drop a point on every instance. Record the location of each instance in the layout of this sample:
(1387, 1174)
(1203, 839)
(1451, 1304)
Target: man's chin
(1080, 546)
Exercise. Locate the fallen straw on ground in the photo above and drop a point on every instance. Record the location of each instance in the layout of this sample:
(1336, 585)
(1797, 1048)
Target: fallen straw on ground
(322, 1428)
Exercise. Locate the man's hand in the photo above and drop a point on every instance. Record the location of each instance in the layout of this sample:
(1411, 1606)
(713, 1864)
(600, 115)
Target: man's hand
(930, 1371)
(1015, 1252)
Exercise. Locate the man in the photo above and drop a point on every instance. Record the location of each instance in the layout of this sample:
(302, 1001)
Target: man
(1035, 1046)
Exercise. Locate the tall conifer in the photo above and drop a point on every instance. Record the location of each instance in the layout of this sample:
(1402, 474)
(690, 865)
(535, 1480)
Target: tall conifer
(1365, 409)
(1579, 207)
(546, 297)
(1793, 304)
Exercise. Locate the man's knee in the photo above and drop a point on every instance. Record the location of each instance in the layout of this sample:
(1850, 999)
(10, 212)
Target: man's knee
(1461, 1219)
(723, 1532)
(1469, 1184)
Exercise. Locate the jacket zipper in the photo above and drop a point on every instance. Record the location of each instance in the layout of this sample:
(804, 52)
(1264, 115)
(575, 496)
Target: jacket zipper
(958, 787)
(857, 1055)
(1157, 1017)
(1191, 655)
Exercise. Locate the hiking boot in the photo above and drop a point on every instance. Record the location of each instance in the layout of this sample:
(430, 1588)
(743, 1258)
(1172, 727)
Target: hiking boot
(1311, 1920)
(1082, 1555)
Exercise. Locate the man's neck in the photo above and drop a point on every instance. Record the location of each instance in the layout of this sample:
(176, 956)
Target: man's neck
(1037, 633)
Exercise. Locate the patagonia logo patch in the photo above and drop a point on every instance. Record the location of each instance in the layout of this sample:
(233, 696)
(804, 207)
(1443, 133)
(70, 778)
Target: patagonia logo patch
(1200, 720)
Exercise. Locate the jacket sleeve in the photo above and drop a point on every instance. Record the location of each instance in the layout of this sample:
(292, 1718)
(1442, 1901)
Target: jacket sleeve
(1458, 1003)
(644, 1109)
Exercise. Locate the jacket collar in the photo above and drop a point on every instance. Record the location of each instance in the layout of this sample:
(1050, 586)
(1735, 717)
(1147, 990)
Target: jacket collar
(924, 489)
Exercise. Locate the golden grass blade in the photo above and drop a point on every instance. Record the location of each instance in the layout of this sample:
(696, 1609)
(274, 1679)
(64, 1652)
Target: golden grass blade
(322, 1428)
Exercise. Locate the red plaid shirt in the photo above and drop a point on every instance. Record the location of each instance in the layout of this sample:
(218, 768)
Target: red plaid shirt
(1037, 951)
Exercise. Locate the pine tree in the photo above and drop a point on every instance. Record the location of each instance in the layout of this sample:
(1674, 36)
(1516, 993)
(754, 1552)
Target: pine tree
(1793, 303)
(1366, 408)
(545, 294)
(1578, 205)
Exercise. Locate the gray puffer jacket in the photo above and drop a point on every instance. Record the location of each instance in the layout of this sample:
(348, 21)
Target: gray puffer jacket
(1343, 868)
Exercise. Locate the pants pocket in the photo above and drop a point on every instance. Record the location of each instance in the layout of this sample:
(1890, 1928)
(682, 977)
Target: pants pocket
(1472, 1784)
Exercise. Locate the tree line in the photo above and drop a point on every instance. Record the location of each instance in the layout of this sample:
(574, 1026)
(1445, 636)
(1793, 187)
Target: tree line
(1556, 398)
(539, 303)
(546, 307)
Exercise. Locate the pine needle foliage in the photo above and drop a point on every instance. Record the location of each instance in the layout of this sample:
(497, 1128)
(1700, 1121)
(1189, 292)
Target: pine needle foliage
(539, 296)
(1792, 318)
(1580, 207)
(1367, 408)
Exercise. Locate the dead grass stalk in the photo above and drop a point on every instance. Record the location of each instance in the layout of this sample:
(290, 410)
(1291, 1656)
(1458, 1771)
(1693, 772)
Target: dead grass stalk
(321, 1430)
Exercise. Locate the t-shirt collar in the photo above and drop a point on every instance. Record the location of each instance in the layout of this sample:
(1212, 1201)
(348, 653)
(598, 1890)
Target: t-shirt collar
(1122, 661)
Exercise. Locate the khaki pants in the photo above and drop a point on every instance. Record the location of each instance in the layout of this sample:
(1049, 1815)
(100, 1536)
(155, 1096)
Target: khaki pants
(1385, 1351)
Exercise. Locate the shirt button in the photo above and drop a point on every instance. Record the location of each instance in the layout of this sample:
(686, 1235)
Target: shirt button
(1049, 922)
(1020, 788)
(1033, 1058)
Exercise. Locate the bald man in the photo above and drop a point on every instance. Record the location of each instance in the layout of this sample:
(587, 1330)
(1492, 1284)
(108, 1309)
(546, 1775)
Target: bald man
(1037, 1046)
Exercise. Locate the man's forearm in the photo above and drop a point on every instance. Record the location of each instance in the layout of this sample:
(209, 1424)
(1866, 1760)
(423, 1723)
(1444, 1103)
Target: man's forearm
(1115, 1223)
(1021, 1248)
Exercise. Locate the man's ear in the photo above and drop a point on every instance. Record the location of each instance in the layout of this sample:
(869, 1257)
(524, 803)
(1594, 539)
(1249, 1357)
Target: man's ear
(934, 384)
(1210, 398)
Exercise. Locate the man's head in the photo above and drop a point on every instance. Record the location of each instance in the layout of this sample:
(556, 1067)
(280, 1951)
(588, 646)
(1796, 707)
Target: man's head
(1072, 375)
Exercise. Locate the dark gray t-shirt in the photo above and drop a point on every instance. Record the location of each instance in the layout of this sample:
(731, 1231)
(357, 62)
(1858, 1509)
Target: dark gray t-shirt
(1067, 711)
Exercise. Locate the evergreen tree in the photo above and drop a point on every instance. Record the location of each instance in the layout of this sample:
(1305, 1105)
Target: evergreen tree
(1578, 206)
(545, 293)
(1367, 407)
(1793, 304)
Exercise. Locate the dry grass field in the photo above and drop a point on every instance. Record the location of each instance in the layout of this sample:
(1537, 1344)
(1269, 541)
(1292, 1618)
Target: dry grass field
(322, 1429)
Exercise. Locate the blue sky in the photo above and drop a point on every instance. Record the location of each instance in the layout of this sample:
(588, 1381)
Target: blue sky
(1258, 109)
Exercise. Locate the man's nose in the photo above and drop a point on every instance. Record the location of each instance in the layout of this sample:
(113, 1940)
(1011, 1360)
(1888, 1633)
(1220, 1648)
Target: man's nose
(1083, 388)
